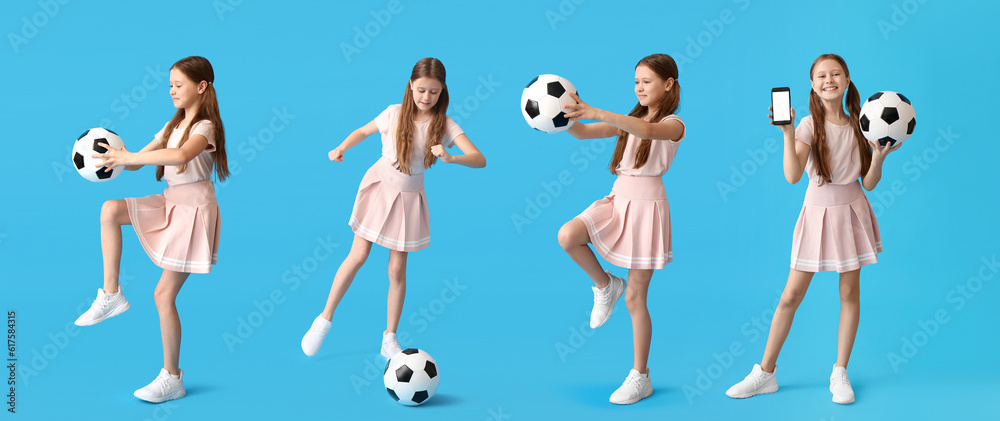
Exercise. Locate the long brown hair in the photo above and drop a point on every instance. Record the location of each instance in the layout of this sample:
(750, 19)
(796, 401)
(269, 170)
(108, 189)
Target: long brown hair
(426, 67)
(820, 149)
(198, 69)
(664, 67)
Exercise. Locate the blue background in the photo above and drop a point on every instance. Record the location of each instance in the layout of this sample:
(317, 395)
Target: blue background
(497, 302)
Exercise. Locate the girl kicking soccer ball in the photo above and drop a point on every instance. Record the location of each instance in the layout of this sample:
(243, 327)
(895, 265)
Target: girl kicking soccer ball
(631, 226)
(179, 229)
(836, 230)
(391, 208)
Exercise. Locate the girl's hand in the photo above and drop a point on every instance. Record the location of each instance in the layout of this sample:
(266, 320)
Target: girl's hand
(443, 155)
(879, 152)
(336, 155)
(113, 157)
(581, 110)
(785, 128)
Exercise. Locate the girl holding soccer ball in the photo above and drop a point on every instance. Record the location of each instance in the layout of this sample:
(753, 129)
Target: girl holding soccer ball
(179, 229)
(836, 230)
(631, 226)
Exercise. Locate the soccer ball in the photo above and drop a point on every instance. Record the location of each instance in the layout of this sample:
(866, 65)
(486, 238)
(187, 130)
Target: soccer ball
(542, 103)
(411, 377)
(87, 145)
(887, 117)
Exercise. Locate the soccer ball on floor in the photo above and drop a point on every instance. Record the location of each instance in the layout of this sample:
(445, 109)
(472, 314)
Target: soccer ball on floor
(88, 144)
(411, 377)
(887, 117)
(542, 103)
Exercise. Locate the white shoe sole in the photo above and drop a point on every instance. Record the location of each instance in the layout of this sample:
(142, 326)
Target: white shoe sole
(176, 395)
(634, 400)
(101, 319)
(842, 402)
(763, 391)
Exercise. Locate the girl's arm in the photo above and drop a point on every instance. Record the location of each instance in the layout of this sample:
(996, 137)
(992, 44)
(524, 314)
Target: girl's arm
(874, 174)
(152, 146)
(471, 157)
(642, 129)
(796, 153)
(592, 130)
(337, 154)
(157, 156)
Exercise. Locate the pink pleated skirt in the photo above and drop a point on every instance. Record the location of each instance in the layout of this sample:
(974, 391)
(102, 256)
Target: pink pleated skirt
(391, 209)
(179, 229)
(631, 226)
(836, 230)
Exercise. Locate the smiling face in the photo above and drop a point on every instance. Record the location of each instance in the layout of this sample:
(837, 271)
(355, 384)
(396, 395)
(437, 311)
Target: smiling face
(185, 93)
(830, 80)
(649, 87)
(426, 92)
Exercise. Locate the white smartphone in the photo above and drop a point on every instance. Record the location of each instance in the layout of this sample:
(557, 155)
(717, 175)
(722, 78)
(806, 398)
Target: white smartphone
(781, 106)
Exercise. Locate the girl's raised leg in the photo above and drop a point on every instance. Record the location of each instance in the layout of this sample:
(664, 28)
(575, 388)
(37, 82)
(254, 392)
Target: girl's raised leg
(114, 214)
(573, 238)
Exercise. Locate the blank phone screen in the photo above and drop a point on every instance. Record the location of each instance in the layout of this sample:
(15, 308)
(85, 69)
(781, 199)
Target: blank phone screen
(781, 105)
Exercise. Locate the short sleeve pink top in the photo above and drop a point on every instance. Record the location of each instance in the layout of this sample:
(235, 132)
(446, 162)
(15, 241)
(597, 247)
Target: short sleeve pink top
(388, 121)
(199, 168)
(661, 154)
(845, 162)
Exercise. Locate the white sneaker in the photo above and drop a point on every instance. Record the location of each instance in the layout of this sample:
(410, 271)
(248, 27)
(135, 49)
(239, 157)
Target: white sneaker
(757, 382)
(604, 300)
(104, 307)
(313, 339)
(840, 386)
(389, 345)
(163, 388)
(637, 386)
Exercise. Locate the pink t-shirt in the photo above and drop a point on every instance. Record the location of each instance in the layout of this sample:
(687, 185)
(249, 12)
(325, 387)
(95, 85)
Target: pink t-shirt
(199, 168)
(845, 161)
(661, 154)
(387, 122)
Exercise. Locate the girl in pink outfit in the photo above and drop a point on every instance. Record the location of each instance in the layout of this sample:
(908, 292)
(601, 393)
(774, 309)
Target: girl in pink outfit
(179, 229)
(836, 230)
(631, 226)
(391, 207)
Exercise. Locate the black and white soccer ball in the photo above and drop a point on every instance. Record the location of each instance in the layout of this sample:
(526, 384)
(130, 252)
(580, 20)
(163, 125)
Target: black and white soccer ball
(88, 144)
(542, 103)
(411, 377)
(887, 117)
